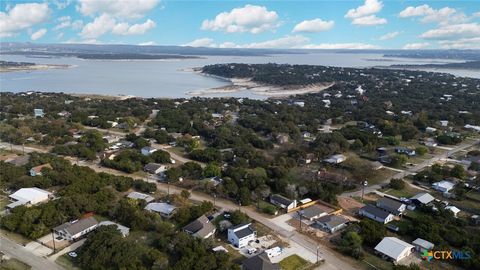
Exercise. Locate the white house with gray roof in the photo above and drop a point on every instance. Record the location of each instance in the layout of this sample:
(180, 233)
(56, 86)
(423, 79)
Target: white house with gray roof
(241, 235)
(140, 196)
(165, 210)
(421, 245)
(74, 230)
(375, 213)
(332, 223)
(283, 202)
(392, 206)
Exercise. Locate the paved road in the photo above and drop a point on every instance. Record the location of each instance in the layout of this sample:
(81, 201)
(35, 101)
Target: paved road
(19, 252)
(415, 169)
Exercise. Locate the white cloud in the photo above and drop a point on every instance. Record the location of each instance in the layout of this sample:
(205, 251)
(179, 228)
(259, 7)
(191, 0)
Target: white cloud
(330, 46)
(148, 43)
(430, 15)
(40, 33)
(61, 4)
(297, 41)
(201, 42)
(22, 16)
(105, 23)
(365, 14)
(463, 43)
(369, 20)
(66, 22)
(98, 27)
(313, 26)
(132, 9)
(476, 14)
(416, 46)
(390, 35)
(136, 29)
(454, 31)
(250, 18)
(368, 8)
(284, 42)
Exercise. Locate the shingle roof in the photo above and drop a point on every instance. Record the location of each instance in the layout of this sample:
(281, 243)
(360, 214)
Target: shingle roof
(312, 211)
(78, 226)
(332, 220)
(389, 204)
(244, 232)
(281, 199)
(259, 262)
(375, 211)
(196, 225)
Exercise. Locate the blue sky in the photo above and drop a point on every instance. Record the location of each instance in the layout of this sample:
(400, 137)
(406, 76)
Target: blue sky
(362, 24)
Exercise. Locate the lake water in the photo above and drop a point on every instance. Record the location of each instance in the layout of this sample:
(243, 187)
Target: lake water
(168, 78)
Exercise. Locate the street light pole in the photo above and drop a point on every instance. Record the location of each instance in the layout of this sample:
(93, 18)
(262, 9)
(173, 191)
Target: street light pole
(365, 183)
(318, 247)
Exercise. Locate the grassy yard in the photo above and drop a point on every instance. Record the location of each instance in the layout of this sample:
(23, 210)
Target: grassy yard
(374, 262)
(294, 262)
(66, 262)
(3, 202)
(19, 239)
(406, 192)
(14, 264)
(380, 175)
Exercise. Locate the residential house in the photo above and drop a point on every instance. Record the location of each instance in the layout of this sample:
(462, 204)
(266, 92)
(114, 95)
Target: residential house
(332, 223)
(259, 262)
(430, 130)
(122, 229)
(312, 212)
(422, 245)
(164, 209)
(283, 202)
(216, 180)
(422, 198)
(154, 168)
(336, 159)
(443, 186)
(111, 138)
(453, 209)
(64, 114)
(147, 150)
(282, 138)
(74, 230)
(375, 213)
(201, 228)
(241, 235)
(430, 142)
(37, 170)
(404, 150)
(28, 196)
(38, 113)
(392, 206)
(394, 249)
(140, 196)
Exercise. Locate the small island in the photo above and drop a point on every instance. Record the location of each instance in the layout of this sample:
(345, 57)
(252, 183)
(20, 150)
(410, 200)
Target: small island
(9, 66)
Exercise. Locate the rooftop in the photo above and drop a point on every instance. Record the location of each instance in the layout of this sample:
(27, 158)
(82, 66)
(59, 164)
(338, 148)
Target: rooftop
(77, 226)
(312, 211)
(423, 243)
(332, 220)
(140, 196)
(375, 211)
(392, 247)
(163, 208)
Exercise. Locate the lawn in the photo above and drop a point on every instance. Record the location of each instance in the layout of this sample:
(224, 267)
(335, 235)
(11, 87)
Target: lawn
(3, 202)
(19, 239)
(374, 262)
(66, 262)
(293, 262)
(379, 176)
(406, 192)
(14, 264)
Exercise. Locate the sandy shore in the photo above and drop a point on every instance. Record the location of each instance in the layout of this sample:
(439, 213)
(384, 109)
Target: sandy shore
(98, 96)
(246, 84)
(32, 68)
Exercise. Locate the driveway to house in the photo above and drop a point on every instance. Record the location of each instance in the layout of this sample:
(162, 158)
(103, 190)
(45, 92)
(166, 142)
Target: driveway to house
(20, 253)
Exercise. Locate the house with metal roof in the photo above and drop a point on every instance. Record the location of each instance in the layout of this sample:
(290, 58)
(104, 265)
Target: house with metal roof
(154, 168)
(443, 186)
(422, 245)
(164, 209)
(336, 159)
(241, 235)
(422, 198)
(28, 196)
(375, 213)
(122, 229)
(259, 262)
(332, 223)
(147, 150)
(393, 249)
(74, 230)
(390, 205)
(201, 228)
(38, 113)
(283, 202)
(140, 196)
(453, 209)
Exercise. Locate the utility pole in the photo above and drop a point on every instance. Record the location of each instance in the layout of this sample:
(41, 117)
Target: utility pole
(318, 247)
(53, 240)
(365, 183)
(214, 199)
(300, 212)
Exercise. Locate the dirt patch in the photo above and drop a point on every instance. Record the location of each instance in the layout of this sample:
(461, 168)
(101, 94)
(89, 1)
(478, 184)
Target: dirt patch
(349, 204)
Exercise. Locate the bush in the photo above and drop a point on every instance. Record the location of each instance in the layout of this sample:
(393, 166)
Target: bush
(421, 150)
(269, 209)
(397, 184)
